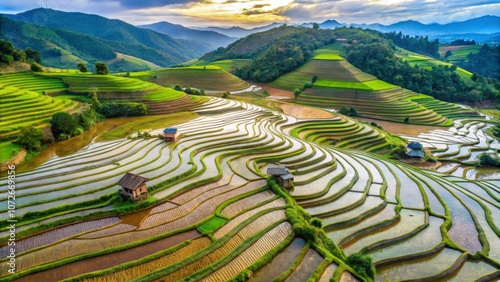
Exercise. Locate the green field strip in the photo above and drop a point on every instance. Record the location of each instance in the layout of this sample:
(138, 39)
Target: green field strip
(375, 220)
(230, 245)
(205, 77)
(134, 269)
(463, 220)
(305, 269)
(251, 255)
(370, 206)
(410, 222)
(473, 270)
(280, 263)
(419, 268)
(371, 85)
(57, 234)
(427, 240)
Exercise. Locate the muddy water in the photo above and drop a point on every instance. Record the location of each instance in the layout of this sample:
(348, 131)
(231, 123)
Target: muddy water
(483, 173)
(70, 146)
(109, 260)
(402, 128)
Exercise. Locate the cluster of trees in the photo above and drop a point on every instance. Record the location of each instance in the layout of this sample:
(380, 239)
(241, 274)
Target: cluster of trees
(379, 59)
(9, 54)
(486, 62)
(461, 42)
(65, 125)
(286, 54)
(189, 90)
(122, 109)
(419, 44)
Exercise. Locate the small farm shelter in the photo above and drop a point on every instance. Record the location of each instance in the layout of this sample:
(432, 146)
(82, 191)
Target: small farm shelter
(133, 187)
(170, 134)
(415, 150)
(282, 175)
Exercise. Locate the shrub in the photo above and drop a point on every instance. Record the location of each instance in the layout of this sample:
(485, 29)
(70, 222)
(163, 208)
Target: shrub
(82, 67)
(487, 159)
(406, 120)
(30, 138)
(316, 222)
(121, 109)
(101, 68)
(36, 67)
(62, 123)
(363, 265)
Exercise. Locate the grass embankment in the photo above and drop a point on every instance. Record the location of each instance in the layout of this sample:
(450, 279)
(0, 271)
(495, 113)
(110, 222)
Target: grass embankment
(25, 101)
(133, 124)
(415, 59)
(209, 77)
(7, 150)
(459, 53)
(372, 85)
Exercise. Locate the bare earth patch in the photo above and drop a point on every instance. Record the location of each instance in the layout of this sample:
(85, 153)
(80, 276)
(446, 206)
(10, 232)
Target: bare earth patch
(275, 93)
(304, 112)
(402, 128)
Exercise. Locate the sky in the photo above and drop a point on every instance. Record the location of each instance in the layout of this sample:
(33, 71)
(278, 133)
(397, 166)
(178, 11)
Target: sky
(250, 13)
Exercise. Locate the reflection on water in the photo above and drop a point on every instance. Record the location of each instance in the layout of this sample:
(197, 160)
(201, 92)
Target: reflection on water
(70, 146)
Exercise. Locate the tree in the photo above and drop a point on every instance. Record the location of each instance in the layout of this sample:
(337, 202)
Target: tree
(448, 53)
(36, 67)
(315, 26)
(33, 55)
(62, 123)
(361, 264)
(314, 79)
(407, 120)
(82, 67)
(101, 68)
(353, 112)
(296, 93)
(30, 138)
(96, 105)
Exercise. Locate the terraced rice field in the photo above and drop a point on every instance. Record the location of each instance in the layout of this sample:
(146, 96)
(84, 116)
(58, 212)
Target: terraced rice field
(427, 62)
(341, 84)
(460, 144)
(209, 77)
(415, 224)
(24, 101)
(459, 53)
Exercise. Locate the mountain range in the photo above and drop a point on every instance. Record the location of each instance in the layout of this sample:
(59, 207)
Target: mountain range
(212, 39)
(125, 47)
(49, 31)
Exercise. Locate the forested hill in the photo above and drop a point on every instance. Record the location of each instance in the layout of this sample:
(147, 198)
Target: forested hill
(120, 36)
(283, 49)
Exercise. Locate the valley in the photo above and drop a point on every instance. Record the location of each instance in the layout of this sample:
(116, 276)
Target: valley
(301, 171)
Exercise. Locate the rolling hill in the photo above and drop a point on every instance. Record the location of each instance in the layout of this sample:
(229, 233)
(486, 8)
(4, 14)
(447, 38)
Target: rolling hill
(46, 30)
(211, 39)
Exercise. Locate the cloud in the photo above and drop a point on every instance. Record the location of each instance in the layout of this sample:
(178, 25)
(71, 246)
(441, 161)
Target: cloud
(261, 12)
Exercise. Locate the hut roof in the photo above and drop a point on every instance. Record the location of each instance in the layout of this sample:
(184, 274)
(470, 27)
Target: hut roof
(170, 130)
(287, 176)
(131, 181)
(415, 153)
(277, 170)
(415, 145)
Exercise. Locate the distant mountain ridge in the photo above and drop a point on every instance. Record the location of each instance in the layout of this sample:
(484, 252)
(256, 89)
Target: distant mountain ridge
(239, 32)
(121, 36)
(211, 38)
(481, 25)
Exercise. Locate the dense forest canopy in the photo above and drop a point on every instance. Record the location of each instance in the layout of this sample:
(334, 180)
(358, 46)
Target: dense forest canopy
(418, 44)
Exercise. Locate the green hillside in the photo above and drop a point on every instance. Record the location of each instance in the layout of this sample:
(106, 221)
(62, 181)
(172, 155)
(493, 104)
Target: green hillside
(62, 48)
(201, 77)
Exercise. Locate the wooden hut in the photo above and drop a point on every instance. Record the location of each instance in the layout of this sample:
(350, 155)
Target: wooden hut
(414, 150)
(133, 187)
(282, 175)
(170, 134)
